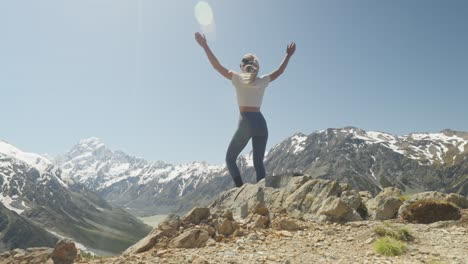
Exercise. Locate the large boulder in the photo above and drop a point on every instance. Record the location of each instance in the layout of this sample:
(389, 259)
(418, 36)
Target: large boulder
(456, 199)
(430, 211)
(385, 205)
(64, 252)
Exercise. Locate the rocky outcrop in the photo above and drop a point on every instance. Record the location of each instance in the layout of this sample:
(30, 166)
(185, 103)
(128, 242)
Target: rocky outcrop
(303, 197)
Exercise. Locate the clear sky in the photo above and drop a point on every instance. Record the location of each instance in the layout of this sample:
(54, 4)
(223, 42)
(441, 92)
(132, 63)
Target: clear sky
(131, 73)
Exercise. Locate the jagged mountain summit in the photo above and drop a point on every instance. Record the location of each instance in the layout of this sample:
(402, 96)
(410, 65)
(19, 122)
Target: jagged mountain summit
(368, 160)
(35, 192)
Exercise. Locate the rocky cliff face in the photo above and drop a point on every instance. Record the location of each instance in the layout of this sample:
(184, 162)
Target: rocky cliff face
(367, 160)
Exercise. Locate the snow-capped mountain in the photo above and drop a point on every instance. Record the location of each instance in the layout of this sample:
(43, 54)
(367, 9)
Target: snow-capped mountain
(34, 189)
(122, 179)
(368, 160)
(372, 160)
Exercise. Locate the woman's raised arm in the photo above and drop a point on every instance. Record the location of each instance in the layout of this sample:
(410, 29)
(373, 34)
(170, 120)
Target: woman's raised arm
(201, 39)
(289, 52)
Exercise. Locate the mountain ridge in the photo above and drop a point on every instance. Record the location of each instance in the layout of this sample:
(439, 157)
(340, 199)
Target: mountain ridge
(366, 159)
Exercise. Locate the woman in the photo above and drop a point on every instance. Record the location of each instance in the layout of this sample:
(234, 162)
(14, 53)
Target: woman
(249, 89)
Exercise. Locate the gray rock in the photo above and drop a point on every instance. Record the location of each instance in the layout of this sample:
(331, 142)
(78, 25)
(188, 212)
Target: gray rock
(336, 210)
(385, 205)
(225, 226)
(243, 210)
(335, 207)
(352, 198)
(196, 215)
(192, 238)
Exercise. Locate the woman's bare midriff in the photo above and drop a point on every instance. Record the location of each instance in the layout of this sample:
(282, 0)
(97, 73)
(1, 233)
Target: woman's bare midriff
(249, 109)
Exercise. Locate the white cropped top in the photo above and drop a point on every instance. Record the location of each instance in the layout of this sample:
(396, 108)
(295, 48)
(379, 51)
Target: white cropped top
(249, 94)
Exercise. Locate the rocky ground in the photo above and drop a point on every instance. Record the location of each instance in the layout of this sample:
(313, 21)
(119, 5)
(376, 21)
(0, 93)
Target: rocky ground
(440, 242)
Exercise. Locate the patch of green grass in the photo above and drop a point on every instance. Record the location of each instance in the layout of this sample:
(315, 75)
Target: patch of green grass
(389, 246)
(402, 234)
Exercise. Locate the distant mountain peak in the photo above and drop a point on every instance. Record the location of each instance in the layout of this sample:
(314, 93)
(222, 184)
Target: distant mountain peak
(92, 142)
(87, 145)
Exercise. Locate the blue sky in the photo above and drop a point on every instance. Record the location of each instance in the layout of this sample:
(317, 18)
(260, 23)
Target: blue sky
(131, 73)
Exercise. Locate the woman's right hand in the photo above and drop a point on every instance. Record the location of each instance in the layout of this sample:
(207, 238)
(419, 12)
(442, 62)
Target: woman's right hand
(291, 49)
(201, 39)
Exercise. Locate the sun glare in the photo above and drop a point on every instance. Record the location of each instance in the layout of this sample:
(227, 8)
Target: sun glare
(204, 13)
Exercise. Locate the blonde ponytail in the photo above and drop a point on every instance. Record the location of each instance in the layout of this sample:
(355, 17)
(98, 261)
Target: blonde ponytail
(252, 66)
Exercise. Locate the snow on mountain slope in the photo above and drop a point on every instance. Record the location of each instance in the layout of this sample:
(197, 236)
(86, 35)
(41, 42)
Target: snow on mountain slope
(90, 162)
(427, 148)
(13, 161)
(34, 160)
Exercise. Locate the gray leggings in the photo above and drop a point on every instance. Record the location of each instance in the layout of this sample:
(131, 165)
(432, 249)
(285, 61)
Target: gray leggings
(251, 125)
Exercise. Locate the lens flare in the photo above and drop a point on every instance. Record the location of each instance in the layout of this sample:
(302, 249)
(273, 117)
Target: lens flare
(203, 13)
